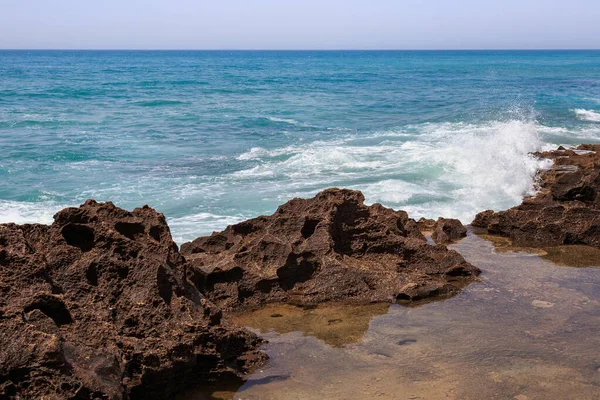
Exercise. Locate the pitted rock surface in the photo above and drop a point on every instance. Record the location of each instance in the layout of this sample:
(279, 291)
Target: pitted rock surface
(98, 305)
(328, 248)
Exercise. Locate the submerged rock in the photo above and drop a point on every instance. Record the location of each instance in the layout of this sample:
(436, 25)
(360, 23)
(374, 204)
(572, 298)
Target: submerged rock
(329, 248)
(98, 305)
(565, 211)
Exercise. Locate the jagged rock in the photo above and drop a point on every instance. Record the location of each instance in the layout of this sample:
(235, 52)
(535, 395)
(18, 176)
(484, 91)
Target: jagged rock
(329, 248)
(447, 230)
(98, 305)
(565, 211)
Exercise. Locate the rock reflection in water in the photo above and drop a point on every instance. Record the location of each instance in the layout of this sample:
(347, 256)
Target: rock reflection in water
(336, 325)
(569, 255)
(573, 256)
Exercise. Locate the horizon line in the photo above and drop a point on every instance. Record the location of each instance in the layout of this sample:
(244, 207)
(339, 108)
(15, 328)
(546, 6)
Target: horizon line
(303, 49)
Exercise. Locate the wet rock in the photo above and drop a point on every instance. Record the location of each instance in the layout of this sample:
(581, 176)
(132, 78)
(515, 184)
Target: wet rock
(448, 230)
(329, 248)
(565, 211)
(99, 305)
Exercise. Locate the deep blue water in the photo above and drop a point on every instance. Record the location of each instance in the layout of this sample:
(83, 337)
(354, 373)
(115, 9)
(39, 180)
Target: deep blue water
(209, 138)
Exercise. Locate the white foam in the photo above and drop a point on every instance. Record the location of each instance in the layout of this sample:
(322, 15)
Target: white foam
(284, 120)
(430, 170)
(394, 191)
(482, 167)
(28, 212)
(256, 153)
(587, 115)
(185, 229)
(253, 154)
(582, 152)
(448, 169)
(291, 121)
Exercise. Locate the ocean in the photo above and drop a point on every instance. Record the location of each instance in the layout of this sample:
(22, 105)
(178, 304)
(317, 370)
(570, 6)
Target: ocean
(210, 138)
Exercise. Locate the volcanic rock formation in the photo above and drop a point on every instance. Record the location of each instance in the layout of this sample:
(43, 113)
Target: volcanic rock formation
(329, 248)
(565, 211)
(98, 305)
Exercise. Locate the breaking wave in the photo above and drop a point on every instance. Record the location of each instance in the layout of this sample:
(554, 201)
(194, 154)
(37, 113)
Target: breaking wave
(587, 115)
(446, 169)
(28, 212)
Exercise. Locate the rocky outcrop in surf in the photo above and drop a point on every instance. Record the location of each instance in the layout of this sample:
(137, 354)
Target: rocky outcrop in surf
(99, 306)
(565, 211)
(328, 248)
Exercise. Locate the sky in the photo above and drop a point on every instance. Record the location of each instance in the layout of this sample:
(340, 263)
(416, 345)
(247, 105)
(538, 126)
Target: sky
(299, 24)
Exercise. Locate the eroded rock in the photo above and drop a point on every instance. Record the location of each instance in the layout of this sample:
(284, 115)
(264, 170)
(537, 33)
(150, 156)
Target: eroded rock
(329, 248)
(565, 211)
(447, 230)
(99, 305)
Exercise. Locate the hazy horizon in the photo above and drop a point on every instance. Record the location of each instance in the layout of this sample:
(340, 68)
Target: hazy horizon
(300, 25)
(305, 50)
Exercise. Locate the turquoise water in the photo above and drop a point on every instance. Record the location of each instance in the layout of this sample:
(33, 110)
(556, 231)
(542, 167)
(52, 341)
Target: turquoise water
(210, 138)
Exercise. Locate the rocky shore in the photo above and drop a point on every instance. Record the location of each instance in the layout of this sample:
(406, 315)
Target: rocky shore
(103, 304)
(566, 210)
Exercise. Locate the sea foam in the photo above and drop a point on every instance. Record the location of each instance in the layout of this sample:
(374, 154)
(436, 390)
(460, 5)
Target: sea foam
(186, 228)
(28, 212)
(430, 170)
(587, 115)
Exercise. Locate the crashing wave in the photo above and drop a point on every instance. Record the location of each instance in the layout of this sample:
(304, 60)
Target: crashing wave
(587, 115)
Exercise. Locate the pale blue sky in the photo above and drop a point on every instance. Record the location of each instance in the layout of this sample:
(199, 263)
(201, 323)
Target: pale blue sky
(299, 24)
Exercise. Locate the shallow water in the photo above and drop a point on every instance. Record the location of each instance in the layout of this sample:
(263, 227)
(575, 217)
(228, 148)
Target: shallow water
(527, 330)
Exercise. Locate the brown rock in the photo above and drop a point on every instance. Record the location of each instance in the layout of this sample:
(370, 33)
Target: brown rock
(98, 305)
(328, 248)
(426, 225)
(448, 230)
(565, 211)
